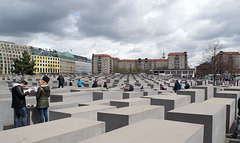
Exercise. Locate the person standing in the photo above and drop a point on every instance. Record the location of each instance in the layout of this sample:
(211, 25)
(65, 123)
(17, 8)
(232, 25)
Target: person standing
(105, 85)
(187, 86)
(79, 83)
(19, 103)
(95, 84)
(60, 81)
(42, 95)
(131, 88)
(177, 86)
(46, 78)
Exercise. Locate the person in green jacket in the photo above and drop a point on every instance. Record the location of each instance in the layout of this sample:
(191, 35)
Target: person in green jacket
(42, 95)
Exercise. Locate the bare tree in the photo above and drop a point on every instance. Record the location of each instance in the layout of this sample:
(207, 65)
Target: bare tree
(210, 56)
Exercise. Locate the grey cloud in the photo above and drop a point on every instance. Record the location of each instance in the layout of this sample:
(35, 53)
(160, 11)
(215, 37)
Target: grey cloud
(134, 50)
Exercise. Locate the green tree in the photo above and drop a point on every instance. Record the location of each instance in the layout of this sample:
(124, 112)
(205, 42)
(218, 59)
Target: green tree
(23, 65)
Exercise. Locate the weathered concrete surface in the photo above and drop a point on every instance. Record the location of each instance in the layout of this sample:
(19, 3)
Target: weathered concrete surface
(128, 115)
(86, 112)
(153, 131)
(230, 109)
(212, 116)
(197, 95)
(59, 131)
(170, 102)
(208, 90)
(129, 102)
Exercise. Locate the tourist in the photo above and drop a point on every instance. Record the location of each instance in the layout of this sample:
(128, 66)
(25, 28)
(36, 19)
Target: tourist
(95, 84)
(177, 86)
(79, 83)
(60, 81)
(46, 78)
(105, 85)
(131, 88)
(19, 103)
(42, 95)
(161, 87)
(187, 86)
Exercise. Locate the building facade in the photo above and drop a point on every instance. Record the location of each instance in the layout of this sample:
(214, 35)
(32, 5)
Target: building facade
(177, 60)
(67, 63)
(82, 65)
(228, 62)
(45, 61)
(103, 63)
(9, 51)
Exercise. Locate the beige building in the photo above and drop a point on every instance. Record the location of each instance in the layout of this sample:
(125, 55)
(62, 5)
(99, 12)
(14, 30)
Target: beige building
(103, 63)
(229, 62)
(67, 63)
(9, 51)
(177, 61)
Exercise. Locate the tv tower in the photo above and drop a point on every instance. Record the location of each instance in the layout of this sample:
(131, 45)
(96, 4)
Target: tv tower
(163, 56)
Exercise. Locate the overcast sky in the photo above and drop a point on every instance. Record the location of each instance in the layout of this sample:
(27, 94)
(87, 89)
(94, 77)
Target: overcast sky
(127, 29)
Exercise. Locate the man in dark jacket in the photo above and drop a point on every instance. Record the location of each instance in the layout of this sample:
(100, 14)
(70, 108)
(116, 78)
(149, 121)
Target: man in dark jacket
(60, 81)
(46, 78)
(19, 103)
(177, 86)
(95, 84)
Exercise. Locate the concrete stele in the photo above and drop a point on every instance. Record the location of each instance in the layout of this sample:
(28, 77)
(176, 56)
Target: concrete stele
(153, 131)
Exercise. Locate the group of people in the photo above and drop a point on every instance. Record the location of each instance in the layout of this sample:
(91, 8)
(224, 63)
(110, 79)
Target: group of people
(19, 100)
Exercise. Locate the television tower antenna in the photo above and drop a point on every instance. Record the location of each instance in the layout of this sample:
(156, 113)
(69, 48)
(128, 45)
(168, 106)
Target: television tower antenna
(163, 56)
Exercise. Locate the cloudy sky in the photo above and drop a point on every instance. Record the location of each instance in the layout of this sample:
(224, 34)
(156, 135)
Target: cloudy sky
(127, 29)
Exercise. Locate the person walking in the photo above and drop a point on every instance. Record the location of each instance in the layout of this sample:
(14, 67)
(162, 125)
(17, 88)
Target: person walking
(19, 103)
(177, 86)
(42, 95)
(46, 78)
(79, 83)
(60, 81)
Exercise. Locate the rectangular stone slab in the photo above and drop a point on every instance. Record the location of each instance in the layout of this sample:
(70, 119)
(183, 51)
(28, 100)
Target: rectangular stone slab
(212, 116)
(59, 131)
(170, 102)
(129, 102)
(86, 112)
(120, 117)
(197, 95)
(153, 131)
(230, 109)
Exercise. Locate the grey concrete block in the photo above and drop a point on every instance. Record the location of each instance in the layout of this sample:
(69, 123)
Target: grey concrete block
(232, 88)
(197, 95)
(208, 90)
(61, 105)
(230, 94)
(125, 116)
(107, 95)
(230, 110)
(97, 102)
(133, 94)
(71, 97)
(212, 116)
(6, 112)
(86, 112)
(1, 125)
(59, 131)
(170, 102)
(153, 131)
(129, 102)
